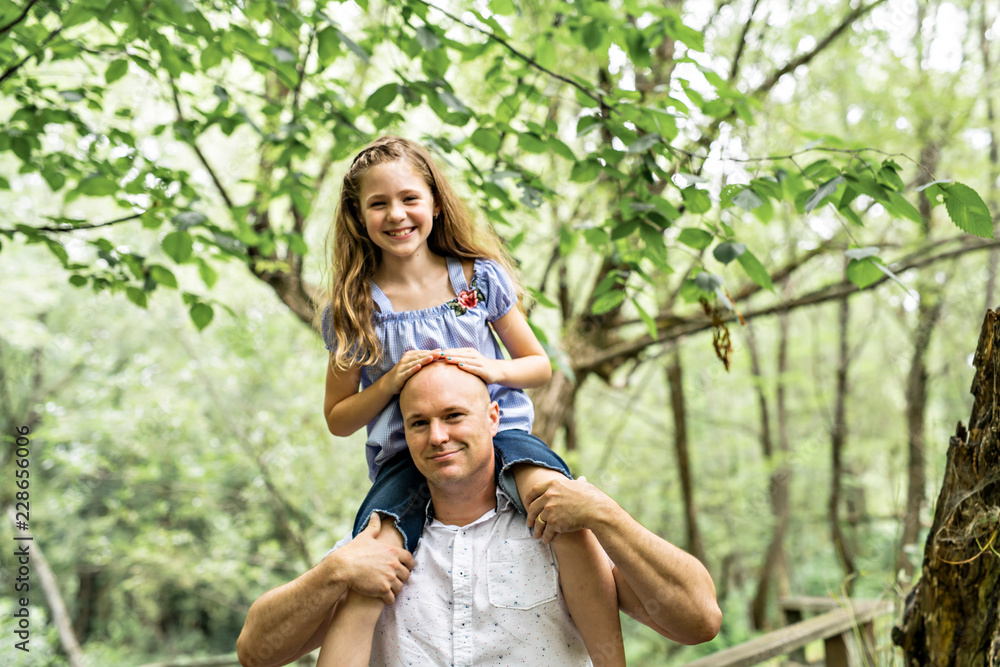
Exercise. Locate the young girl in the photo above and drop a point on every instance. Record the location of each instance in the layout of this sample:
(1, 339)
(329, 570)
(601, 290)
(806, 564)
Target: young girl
(415, 281)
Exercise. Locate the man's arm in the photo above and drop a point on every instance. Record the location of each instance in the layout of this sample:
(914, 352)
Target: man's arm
(659, 585)
(291, 620)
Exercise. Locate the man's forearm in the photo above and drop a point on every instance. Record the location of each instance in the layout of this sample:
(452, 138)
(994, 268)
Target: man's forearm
(674, 590)
(286, 622)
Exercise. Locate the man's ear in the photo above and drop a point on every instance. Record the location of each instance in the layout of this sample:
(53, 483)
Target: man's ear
(494, 415)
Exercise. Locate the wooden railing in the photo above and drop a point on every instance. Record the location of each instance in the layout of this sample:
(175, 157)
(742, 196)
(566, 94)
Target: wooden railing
(842, 624)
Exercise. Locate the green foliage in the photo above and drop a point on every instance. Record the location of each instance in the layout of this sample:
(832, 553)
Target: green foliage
(283, 82)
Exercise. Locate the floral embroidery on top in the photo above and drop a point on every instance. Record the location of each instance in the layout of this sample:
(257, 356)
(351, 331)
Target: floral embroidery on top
(467, 299)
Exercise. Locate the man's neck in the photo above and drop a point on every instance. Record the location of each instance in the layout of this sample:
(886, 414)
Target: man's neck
(462, 506)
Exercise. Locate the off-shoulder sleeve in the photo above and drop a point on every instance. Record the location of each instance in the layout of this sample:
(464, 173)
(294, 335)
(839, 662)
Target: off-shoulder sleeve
(497, 287)
(328, 337)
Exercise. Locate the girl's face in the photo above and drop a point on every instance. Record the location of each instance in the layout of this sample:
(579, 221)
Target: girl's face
(398, 208)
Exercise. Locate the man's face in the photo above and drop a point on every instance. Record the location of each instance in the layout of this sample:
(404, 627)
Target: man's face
(450, 423)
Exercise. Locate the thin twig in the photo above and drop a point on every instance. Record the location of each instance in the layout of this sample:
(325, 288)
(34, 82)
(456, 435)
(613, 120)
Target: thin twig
(95, 225)
(194, 145)
(527, 59)
(24, 12)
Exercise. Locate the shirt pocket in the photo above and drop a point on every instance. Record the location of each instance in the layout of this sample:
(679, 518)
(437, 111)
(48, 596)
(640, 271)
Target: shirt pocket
(521, 574)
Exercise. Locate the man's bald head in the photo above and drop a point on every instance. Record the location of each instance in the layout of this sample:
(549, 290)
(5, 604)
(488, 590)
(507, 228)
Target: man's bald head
(438, 374)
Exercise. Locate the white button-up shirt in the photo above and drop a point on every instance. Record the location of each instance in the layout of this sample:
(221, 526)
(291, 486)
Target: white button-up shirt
(483, 594)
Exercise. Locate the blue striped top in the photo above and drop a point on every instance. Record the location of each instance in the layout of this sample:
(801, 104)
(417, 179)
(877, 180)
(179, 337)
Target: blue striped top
(461, 322)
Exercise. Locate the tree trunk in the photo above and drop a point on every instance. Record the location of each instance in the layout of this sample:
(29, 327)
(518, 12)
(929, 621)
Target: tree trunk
(951, 616)
(774, 559)
(553, 404)
(916, 405)
(838, 438)
(57, 608)
(992, 196)
(676, 384)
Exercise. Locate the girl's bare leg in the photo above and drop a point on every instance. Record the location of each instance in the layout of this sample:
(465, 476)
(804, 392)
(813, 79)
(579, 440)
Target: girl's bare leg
(348, 642)
(592, 599)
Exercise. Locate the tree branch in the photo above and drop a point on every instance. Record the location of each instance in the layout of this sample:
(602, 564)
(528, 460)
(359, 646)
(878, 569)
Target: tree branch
(735, 67)
(807, 57)
(697, 323)
(27, 8)
(600, 99)
(73, 228)
(194, 145)
(13, 68)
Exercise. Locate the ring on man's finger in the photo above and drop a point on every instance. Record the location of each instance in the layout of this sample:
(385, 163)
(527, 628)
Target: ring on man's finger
(540, 520)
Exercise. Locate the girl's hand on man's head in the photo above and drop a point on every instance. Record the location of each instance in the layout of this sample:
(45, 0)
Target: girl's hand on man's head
(411, 362)
(472, 361)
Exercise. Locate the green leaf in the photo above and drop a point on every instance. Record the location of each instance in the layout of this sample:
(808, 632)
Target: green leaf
(187, 219)
(77, 280)
(593, 35)
(707, 281)
(116, 70)
(540, 297)
(283, 55)
(201, 315)
(162, 276)
(728, 251)
(503, 7)
(208, 275)
(487, 140)
(647, 319)
(353, 46)
(136, 296)
(97, 185)
(211, 56)
(531, 143)
(747, 199)
(864, 272)
(822, 192)
(899, 207)
(178, 245)
(695, 238)
(585, 171)
(328, 45)
(452, 102)
(644, 143)
(697, 201)
(427, 38)
(968, 210)
(382, 97)
(561, 149)
(608, 301)
(755, 270)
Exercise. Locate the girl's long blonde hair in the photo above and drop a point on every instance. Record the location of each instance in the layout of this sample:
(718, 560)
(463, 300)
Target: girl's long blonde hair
(354, 258)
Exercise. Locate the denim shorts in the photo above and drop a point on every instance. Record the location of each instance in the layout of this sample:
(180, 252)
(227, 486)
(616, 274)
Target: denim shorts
(401, 492)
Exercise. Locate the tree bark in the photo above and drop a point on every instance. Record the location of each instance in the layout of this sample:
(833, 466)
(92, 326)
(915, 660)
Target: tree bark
(838, 442)
(992, 196)
(675, 381)
(952, 616)
(916, 405)
(774, 558)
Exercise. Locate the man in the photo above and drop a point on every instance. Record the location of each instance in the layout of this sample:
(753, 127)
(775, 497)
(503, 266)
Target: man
(482, 590)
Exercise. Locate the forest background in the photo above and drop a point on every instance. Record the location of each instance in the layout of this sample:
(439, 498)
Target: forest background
(658, 169)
